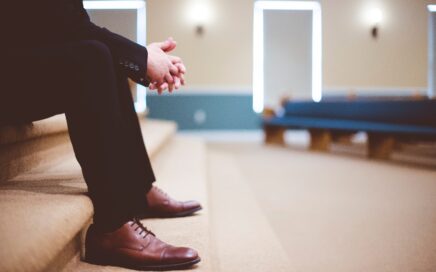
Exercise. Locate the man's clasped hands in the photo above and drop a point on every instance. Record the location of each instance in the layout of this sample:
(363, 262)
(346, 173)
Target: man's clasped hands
(164, 70)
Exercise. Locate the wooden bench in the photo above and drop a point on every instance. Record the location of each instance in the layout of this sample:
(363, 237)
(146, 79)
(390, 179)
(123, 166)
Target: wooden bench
(385, 121)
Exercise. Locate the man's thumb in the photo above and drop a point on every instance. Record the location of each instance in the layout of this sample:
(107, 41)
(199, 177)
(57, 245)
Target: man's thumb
(167, 45)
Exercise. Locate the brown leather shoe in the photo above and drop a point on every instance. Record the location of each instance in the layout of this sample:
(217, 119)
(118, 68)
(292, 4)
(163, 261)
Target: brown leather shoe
(161, 205)
(133, 246)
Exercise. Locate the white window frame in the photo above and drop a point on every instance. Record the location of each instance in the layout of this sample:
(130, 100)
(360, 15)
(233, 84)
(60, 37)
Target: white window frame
(431, 93)
(258, 46)
(141, 27)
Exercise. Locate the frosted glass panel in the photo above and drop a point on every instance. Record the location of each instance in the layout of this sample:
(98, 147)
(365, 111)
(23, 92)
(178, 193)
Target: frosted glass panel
(432, 55)
(119, 21)
(287, 55)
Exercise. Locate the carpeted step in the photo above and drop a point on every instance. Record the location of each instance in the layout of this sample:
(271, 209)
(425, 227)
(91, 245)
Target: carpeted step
(180, 170)
(19, 133)
(44, 210)
(156, 134)
(243, 238)
(23, 147)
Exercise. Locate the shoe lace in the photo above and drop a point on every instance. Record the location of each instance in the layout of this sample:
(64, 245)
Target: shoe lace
(160, 191)
(139, 226)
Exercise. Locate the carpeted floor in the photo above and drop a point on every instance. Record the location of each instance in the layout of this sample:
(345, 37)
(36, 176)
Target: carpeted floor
(342, 213)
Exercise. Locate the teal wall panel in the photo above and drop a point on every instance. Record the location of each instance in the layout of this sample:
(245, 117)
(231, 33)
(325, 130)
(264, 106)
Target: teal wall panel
(205, 111)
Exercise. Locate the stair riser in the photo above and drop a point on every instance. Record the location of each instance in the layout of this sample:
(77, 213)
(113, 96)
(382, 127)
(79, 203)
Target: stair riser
(70, 253)
(20, 157)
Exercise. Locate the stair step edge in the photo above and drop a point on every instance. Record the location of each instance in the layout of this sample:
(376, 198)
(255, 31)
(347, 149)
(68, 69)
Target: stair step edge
(149, 127)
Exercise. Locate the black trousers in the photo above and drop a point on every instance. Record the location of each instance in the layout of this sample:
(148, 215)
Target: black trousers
(81, 80)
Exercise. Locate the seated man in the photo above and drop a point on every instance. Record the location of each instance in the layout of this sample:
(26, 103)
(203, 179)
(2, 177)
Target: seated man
(55, 60)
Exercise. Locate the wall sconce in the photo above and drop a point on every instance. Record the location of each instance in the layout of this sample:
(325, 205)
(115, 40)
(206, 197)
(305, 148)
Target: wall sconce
(199, 30)
(199, 14)
(375, 17)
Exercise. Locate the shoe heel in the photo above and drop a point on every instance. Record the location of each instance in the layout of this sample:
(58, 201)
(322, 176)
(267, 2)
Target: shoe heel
(94, 258)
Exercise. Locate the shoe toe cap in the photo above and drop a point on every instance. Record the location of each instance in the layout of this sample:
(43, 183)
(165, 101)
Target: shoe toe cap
(192, 205)
(180, 254)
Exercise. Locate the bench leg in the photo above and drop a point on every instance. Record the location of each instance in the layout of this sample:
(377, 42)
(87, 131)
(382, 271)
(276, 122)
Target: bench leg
(380, 146)
(343, 138)
(320, 139)
(274, 135)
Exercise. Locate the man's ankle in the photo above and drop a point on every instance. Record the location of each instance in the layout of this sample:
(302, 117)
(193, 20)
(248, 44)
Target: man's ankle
(108, 226)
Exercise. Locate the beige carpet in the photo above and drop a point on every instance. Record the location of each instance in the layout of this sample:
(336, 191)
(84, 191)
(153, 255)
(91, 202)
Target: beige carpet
(342, 213)
(242, 237)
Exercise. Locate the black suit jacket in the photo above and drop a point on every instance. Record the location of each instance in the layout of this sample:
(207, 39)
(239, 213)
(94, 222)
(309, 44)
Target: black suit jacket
(27, 23)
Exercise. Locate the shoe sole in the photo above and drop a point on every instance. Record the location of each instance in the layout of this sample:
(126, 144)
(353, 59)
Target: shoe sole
(163, 267)
(171, 215)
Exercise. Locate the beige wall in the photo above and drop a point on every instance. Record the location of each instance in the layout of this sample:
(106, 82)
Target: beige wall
(222, 58)
(353, 59)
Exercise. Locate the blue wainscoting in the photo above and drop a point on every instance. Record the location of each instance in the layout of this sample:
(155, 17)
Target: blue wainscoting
(219, 110)
(199, 111)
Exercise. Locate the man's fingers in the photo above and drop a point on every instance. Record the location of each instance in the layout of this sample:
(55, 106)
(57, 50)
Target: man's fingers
(168, 45)
(165, 46)
(174, 59)
(172, 46)
(162, 87)
(174, 70)
(169, 78)
(181, 67)
(171, 88)
(182, 79)
(160, 45)
(177, 82)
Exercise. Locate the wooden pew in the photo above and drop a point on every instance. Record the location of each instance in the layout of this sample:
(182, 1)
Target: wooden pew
(385, 121)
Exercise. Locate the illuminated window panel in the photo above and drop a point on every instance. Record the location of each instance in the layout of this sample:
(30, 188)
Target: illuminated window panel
(258, 46)
(431, 8)
(431, 92)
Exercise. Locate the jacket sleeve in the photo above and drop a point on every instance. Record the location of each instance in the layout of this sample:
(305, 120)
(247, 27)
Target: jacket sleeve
(130, 57)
